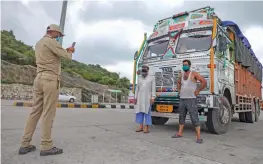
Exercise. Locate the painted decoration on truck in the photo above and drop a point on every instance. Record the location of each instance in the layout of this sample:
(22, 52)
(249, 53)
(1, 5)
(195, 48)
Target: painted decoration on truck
(169, 53)
(160, 32)
(176, 27)
(164, 23)
(205, 22)
(179, 19)
(200, 23)
(197, 16)
(205, 32)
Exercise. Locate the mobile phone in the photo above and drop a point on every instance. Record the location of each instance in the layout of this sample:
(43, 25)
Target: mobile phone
(73, 44)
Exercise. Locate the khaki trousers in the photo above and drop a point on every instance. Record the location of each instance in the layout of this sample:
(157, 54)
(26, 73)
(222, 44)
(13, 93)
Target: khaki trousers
(46, 91)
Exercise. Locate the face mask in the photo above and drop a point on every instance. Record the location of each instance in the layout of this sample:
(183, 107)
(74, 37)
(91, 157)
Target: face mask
(144, 70)
(186, 68)
(144, 74)
(57, 38)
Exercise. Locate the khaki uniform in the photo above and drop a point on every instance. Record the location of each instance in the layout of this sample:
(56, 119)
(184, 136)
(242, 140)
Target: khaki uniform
(46, 90)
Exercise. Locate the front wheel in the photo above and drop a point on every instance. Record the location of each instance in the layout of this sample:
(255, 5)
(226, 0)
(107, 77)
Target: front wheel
(71, 100)
(159, 120)
(218, 120)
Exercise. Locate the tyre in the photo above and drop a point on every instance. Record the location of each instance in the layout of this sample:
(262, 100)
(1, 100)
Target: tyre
(71, 100)
(250, 116)
(242, 117)
(159, 120)
(218, 120)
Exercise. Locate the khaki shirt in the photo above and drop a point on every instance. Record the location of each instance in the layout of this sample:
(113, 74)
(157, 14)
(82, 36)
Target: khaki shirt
(48, 56)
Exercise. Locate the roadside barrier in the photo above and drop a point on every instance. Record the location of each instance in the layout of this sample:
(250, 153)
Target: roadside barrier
(76, 105)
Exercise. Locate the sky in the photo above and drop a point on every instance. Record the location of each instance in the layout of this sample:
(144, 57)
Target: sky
(109, 32)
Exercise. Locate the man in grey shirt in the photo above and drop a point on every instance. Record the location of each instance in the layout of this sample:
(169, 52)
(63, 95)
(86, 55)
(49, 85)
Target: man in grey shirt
(187, 88)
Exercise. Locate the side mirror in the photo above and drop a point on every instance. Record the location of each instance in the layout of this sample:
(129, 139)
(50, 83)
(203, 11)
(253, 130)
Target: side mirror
(222, 44)
(136, 55)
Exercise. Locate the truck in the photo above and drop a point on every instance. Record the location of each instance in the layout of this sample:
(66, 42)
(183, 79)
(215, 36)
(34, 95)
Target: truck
(219, 51)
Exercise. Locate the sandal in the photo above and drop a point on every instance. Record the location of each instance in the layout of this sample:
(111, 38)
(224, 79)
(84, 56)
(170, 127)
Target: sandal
(146, 131)
(139, 130)
(25, 150)
(199, 140)
(53, 151)
(177, 136)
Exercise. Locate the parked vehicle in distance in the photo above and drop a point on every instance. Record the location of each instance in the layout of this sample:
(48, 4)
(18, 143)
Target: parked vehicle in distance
(131, 99)
(66, 97)
(131, 95)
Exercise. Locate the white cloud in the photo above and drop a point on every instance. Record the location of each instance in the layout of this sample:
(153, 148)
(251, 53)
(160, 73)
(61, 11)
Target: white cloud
(34, 25)
(117, 32)
(254, 36)
(160, 5)
(125, 69)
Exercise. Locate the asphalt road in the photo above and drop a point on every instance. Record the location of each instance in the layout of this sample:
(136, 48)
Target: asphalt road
(106, 136)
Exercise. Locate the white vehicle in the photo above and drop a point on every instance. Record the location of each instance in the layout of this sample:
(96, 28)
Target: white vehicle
(66, 97)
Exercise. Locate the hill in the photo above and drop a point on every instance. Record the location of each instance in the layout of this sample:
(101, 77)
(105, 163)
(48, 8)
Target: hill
(18, 66)
(16, 52)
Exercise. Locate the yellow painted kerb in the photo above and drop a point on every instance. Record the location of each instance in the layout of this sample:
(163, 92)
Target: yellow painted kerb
(95, 106)
(83, 106)
(71, 105)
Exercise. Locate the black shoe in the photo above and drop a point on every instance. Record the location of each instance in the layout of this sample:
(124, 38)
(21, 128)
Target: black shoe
(53, 151)
(25, 150)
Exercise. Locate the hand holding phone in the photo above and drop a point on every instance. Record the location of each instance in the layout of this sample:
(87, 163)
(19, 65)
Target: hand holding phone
(71, 49)
(73, 44)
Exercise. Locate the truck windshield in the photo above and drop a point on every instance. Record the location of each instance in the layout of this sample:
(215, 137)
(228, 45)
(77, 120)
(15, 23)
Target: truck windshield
(194, 41)
(156, 50)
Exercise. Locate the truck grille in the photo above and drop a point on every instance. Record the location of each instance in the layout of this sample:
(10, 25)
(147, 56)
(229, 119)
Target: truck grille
(167, 79)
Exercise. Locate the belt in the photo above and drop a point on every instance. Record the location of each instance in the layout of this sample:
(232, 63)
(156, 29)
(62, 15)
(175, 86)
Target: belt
(49, 74)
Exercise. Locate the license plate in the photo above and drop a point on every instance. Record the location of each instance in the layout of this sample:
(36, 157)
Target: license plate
(164, 108)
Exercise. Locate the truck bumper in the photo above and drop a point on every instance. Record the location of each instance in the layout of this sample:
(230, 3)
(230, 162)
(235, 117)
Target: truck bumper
(176, 116)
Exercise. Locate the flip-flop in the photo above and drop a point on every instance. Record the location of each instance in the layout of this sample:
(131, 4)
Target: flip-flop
(176, 136)
(139, 130)
(147, 131)
(199, 141)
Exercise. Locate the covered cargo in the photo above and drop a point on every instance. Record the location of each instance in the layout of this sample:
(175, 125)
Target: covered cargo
(248, 69)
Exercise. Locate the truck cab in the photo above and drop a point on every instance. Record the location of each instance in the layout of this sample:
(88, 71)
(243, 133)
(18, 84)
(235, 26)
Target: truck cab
(200, 37)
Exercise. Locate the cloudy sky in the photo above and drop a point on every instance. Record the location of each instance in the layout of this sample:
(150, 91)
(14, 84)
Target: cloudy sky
(109, 32)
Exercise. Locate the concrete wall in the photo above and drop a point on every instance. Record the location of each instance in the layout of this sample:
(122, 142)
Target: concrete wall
(25, 92)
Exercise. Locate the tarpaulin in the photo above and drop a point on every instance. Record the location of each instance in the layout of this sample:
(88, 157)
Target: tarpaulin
(244, 53)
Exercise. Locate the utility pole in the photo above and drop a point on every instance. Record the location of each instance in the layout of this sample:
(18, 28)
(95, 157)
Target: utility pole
(63, 18)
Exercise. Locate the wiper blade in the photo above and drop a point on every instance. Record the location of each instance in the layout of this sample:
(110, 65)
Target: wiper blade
(198, 36)
(161, 41)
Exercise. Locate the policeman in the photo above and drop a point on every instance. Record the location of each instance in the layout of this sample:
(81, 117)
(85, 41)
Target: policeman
(46, 90)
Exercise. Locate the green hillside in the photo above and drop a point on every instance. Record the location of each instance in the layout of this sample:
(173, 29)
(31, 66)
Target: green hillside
(16, 52)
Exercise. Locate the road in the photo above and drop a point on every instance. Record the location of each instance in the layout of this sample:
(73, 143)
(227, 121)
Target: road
(106, 136)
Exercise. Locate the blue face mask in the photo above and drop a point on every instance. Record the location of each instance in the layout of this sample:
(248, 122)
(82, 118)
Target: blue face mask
(186, 68)
(57, 38)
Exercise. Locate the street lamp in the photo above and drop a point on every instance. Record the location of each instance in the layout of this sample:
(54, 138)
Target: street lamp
(63, 18)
